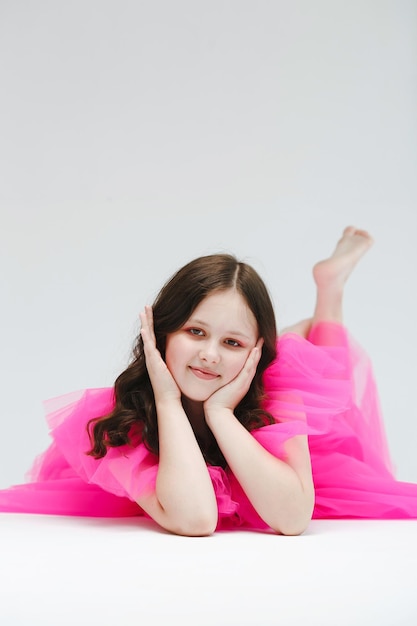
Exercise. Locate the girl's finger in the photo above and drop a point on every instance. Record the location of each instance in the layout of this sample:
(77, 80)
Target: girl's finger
(149, 318)
(253, 358)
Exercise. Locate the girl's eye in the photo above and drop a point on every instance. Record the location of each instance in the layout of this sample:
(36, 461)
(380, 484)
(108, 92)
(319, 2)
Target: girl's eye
(233, 343)
(196, 331)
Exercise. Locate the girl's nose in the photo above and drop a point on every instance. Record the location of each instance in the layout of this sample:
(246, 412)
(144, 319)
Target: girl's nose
(209, 353)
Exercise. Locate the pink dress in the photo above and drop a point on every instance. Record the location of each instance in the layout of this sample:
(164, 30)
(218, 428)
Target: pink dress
(322, 386)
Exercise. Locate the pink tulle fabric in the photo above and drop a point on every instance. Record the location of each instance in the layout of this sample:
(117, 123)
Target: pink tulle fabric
(322, 386)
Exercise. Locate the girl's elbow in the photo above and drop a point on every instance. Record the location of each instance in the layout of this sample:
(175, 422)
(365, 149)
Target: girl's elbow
(196, 526)
(293, 528)
(296, 523)
(199, 528)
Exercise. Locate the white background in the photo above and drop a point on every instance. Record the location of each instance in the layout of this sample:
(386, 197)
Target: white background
(137, 135)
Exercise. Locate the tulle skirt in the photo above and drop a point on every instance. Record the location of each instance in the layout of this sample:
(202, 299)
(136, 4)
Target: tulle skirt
(322, 386)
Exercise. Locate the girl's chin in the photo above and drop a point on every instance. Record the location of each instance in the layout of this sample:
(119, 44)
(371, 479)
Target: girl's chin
(195, 397)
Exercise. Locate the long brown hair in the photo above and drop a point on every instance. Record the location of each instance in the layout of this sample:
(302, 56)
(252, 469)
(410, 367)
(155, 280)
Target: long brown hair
(134, 410)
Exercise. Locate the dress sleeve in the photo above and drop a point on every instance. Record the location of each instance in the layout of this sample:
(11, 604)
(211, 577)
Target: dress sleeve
(125, 471)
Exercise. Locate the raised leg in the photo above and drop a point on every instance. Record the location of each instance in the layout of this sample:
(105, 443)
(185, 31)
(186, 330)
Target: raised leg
(330, 276)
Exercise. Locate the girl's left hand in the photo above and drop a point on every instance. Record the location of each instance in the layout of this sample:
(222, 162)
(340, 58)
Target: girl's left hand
(229, 396)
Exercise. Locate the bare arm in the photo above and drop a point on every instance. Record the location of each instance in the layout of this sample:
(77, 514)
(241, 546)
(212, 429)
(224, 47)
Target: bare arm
(281, 492)
(184, 501)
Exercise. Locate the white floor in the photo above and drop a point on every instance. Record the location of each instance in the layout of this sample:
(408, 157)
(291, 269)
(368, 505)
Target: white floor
(58, 571)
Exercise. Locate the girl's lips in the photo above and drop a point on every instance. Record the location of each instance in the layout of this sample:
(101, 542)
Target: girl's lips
(204, 374)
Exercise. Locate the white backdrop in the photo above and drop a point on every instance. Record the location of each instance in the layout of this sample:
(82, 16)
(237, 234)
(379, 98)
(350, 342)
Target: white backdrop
(136, 135)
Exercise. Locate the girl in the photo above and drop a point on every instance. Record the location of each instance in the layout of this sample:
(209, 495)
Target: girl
(217, 425)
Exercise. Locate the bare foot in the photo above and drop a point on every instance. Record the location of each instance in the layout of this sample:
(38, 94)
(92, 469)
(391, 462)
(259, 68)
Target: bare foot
(335, 270)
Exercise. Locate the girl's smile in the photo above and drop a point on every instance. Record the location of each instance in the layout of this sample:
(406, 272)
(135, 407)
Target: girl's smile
(204, 374)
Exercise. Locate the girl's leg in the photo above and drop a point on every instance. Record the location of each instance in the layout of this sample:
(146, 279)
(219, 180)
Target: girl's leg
(330, 276)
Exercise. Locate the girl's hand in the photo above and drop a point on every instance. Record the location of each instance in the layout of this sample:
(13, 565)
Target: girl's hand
(163, 384)
(229, 396)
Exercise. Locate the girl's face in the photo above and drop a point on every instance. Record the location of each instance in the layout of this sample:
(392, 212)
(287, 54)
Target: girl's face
(212, 346)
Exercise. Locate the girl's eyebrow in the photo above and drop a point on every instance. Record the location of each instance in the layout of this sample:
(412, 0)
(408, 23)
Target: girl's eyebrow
(232, 333)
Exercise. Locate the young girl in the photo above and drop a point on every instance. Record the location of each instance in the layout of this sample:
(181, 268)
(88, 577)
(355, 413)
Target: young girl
(216, 424)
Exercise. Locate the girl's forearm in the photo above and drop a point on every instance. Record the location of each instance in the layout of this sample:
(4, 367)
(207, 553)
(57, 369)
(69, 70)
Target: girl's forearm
(185, 501)
(283, 498)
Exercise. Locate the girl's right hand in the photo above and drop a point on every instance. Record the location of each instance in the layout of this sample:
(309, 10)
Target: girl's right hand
(163, 384)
